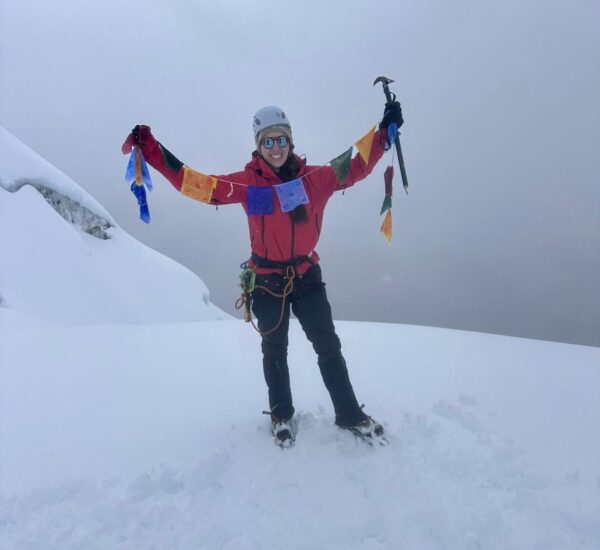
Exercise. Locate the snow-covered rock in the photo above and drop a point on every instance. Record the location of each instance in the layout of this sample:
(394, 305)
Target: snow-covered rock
(64, 259)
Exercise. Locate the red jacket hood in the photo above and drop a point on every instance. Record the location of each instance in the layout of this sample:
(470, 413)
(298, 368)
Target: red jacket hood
(267, 176)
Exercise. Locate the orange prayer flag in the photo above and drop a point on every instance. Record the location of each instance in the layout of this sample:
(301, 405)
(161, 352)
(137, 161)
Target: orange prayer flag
(197, 186)
(364, 144)
(138, 166)
(386, 227)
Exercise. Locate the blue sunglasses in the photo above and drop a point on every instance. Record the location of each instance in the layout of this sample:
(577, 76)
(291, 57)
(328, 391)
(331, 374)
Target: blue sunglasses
(268, 142)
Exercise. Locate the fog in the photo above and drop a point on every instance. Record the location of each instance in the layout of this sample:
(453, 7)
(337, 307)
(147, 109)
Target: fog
(500, 231)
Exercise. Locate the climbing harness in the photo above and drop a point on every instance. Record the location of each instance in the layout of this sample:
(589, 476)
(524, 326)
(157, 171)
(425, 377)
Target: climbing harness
(248, 285)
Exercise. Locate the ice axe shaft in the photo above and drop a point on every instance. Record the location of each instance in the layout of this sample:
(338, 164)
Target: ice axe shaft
(390, 98)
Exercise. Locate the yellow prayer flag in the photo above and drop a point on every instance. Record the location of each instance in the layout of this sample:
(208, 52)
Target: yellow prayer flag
(364, 144)
(197, 186)
(386, 227)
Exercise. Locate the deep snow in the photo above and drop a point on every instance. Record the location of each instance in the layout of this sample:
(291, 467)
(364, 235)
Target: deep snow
(151, 436)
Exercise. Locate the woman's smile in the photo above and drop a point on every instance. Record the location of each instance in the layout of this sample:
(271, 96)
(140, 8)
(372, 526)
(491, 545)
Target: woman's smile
(276, 155)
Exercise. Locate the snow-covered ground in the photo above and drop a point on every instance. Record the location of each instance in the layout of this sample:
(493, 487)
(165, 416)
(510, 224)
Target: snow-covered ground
(130, 413)
(151, 436)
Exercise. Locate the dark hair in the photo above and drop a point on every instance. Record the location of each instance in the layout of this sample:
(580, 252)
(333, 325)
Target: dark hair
(289, 171)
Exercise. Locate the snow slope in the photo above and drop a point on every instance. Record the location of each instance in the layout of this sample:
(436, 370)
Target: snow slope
(64, 259)
(152, 437)
(131, 419)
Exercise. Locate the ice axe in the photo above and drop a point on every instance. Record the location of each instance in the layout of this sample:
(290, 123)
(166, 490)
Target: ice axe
(391, 97)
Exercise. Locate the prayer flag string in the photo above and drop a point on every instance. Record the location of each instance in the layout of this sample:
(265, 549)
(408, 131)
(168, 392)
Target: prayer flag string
(340, 164)
(290, 194)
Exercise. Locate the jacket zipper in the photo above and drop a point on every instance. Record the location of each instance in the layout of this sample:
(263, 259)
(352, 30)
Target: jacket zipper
(262, 235)
(293, 236)
(317, 225)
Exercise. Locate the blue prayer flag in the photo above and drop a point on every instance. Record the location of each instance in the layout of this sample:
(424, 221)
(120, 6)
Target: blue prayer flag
(145, 173)
(260, 200)
(291, 194)
(130, 172)
(392, 132)
(140, 195)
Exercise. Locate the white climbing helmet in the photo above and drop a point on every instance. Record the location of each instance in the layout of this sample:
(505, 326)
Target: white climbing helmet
(270, 116)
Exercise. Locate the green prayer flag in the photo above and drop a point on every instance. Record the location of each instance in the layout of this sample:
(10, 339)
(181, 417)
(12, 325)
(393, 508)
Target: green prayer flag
(341, 165)
(387, 204)
(170, 159)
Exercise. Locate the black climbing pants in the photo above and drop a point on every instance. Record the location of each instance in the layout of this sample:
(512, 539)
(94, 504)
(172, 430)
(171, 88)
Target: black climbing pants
(308, 301)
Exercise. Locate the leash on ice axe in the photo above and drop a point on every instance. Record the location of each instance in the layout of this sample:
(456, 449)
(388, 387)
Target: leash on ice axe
(390, 98)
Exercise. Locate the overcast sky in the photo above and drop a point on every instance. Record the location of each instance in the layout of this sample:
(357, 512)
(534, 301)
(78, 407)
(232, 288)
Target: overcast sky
(501, 229)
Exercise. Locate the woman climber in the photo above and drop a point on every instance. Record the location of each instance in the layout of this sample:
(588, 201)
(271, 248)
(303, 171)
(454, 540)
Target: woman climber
(284, 199)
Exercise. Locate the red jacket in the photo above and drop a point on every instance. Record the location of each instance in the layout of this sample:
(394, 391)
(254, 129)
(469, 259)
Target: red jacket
(275, 236)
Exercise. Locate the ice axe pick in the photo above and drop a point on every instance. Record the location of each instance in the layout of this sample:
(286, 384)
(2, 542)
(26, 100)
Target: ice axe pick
(390, 97)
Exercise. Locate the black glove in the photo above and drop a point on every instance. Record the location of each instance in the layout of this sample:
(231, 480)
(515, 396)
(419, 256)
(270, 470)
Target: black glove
(392, 113)
(136, 132)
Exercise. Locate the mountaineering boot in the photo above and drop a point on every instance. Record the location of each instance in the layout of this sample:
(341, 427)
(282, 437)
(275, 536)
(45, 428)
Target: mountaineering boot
(370, 431)
(284, 432)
